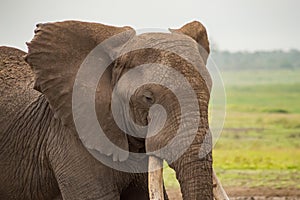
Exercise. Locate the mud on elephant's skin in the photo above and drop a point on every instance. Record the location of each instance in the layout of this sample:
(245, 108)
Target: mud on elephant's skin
(42, 156)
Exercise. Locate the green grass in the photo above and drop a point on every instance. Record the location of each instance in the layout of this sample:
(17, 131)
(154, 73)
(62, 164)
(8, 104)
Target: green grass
(260, 142)
(260, 77)
(258, 158)
(169, 177)
(260, 178)
(267, 98)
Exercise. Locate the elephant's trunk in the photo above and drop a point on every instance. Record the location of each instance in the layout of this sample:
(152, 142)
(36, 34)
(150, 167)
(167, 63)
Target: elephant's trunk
(194, 168)
(185, 140)
(194, 173)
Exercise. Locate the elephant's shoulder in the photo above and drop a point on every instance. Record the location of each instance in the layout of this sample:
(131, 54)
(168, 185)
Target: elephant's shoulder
(14, 71)
(12, 63)
(10, 51)
(16, 83)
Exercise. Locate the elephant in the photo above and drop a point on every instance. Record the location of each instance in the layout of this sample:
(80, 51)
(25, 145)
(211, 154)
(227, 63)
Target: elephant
(44, 155)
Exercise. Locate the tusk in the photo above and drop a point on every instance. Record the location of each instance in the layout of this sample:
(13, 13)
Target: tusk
(155, 178)
(218, 190)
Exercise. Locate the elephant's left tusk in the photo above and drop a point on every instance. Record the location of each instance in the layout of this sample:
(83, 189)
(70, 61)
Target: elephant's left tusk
(155, 178)
(218, 190)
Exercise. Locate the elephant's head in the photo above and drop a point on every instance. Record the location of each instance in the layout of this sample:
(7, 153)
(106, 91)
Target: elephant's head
(153, 86)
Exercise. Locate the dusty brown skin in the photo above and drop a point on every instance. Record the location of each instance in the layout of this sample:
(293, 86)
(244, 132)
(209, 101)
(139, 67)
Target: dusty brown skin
(16, 81)
(41, 154)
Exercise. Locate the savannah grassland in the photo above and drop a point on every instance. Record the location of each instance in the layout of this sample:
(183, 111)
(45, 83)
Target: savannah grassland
(260, 143)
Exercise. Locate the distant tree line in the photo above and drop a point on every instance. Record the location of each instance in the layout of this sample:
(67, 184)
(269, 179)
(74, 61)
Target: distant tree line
(257, 60)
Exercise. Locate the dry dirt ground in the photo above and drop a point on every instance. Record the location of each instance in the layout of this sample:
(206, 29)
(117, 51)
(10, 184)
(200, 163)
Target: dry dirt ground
(238, 193)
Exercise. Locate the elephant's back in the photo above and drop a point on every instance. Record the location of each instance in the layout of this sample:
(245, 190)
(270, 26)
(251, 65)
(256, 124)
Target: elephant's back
(16, 84)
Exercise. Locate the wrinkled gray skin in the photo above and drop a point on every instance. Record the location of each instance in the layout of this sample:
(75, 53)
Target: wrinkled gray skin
(41, 155)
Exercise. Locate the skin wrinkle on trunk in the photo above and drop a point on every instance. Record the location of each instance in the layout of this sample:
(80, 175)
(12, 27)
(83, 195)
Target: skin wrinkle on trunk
(189, 167)
(200, 185)
(196, 186)
(193, 174)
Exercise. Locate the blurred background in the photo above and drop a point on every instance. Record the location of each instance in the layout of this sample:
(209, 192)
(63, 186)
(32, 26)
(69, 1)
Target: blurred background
(256, 46)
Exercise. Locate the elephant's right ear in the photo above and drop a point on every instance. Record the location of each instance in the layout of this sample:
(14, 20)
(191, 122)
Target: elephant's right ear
(197, 32)
(56, 53)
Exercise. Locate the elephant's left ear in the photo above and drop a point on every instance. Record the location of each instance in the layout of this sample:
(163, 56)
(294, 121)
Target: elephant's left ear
(56, 53)
(197, 31)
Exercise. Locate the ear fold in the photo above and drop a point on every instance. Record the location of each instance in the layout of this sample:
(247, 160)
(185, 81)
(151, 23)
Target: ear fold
(55, 55)
(198, 32)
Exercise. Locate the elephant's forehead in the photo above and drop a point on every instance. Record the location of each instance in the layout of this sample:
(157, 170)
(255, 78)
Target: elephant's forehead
(166, 41)
(180, 44)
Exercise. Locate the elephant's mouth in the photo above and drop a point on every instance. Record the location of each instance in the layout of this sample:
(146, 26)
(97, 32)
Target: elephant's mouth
(143, 116)
(140, 116)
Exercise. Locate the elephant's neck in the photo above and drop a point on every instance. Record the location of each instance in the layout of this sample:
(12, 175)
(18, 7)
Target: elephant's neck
(23, 148)
(29, 125)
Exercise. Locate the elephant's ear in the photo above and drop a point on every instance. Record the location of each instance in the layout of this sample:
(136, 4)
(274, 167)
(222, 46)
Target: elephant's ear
(198, 32)
(56, 53)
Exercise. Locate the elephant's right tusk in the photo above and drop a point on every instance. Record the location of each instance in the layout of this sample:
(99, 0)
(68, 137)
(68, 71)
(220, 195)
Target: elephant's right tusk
(218, 190)
(155, 178)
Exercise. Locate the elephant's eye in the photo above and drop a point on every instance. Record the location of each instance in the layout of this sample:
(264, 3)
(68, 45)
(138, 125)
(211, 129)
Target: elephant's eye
(148, 97)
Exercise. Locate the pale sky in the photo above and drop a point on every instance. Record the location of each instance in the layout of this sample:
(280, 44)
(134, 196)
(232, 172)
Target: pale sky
(234, 25)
